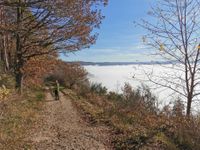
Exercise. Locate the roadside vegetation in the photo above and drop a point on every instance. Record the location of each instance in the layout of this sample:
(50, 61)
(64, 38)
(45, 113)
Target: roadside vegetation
(134, 118)
(18, 114)
(136, 121)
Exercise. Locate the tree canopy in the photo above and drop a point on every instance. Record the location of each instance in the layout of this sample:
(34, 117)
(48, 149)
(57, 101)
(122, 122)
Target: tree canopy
(45, 27)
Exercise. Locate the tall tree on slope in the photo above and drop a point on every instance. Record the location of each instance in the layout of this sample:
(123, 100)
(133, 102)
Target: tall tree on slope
(175, 34)
(53, 25)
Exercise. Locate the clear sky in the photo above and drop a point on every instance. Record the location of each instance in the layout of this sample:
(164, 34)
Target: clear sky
(119, 39)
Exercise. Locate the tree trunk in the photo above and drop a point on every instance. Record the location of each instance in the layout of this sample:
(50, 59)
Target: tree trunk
(189, 103)
(1, 51)
(19, 79)
(19, 65)
(1, 40)
(6, 54)
(19, 60)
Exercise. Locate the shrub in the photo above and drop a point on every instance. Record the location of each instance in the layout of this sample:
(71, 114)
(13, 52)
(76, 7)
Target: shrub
(141, 97)
(69, 75)
(7, 80)
(83, 89)
(178, 108)
(98, 89)
(4, 92)
(6, 83)
(148, 99)
(114, 96)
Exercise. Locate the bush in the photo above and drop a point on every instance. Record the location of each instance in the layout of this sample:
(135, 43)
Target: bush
(141, 97)
(7, 80)
(6, 83)
(178, 108)
(114, 96)
(98, 89)
(83, 89)
(69, 75)
(4, 92)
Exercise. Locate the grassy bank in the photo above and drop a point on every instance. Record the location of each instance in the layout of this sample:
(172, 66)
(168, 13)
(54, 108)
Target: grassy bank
(18, 116)
(138, 125)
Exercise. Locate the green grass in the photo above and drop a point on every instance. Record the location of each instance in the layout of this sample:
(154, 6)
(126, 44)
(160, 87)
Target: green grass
(40, 96)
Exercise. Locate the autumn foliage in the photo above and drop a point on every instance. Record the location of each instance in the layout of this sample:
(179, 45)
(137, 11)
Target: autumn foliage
(36, 68)
(70, 75)
(31, 29)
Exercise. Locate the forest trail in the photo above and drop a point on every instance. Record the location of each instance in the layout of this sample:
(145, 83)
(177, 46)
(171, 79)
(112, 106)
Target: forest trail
(63, 129)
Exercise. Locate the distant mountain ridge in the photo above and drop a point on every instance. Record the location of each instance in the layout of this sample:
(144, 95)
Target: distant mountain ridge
(121, 63)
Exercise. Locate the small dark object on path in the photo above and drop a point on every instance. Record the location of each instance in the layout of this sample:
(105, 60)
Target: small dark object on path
(57, 90)
(56, 94)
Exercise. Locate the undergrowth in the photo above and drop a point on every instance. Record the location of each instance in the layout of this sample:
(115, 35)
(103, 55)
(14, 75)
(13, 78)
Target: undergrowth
(135, 121)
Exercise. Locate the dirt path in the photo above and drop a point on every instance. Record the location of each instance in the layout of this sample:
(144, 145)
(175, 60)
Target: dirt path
(63, 129)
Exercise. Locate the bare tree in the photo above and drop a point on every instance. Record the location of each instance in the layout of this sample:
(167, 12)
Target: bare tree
(175, 33)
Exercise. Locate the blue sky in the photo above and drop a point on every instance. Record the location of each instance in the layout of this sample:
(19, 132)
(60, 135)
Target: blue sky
(119, 39)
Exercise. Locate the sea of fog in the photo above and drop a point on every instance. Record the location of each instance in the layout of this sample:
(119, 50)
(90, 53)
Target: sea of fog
(114, 77)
